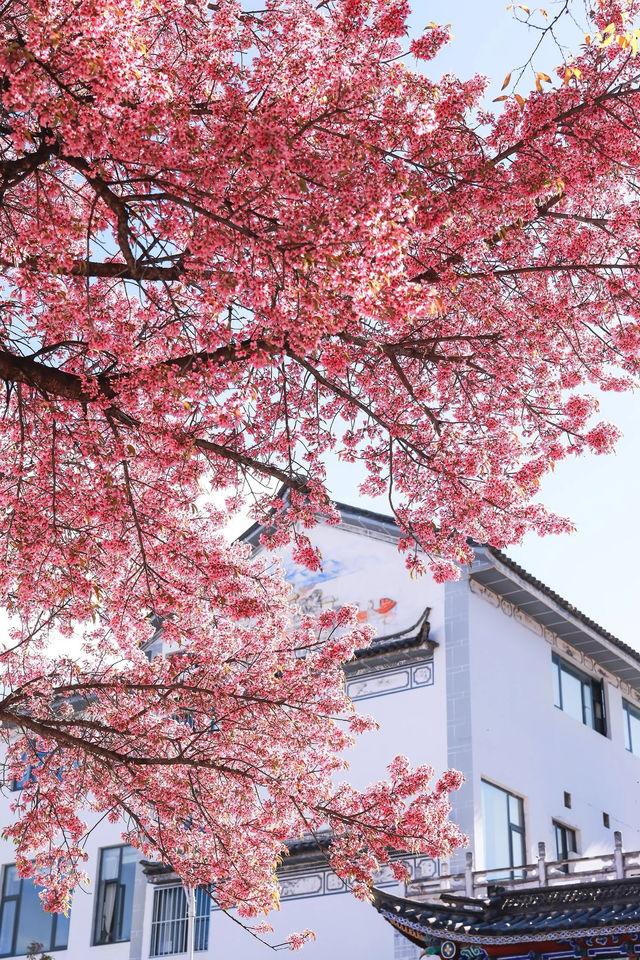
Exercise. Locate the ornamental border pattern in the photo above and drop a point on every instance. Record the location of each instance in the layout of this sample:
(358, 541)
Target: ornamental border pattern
(323, 882)
(382, 683)
(542, 937)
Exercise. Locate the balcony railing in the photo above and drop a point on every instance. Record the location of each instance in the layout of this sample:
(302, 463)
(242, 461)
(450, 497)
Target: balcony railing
(543, 873)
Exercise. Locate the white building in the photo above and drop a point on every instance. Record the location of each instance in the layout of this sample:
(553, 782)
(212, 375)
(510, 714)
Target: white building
(494, 675)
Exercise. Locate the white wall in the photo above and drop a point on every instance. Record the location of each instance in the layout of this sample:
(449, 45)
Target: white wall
(82, 910)
(346, 929)
(522, 742)
(362, 569)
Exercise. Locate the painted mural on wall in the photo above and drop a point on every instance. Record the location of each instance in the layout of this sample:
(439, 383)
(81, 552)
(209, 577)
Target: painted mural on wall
(358, 569)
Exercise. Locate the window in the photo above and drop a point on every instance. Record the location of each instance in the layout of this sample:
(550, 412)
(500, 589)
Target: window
(169, 921)
(31, 769)
(114, 899)
(578, 694)
(23, 921)
(29, 777)
(631, 727)
(565, 840)
(503, 822)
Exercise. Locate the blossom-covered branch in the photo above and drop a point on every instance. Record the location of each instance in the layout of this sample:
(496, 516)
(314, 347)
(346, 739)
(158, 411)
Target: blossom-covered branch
(229, 244)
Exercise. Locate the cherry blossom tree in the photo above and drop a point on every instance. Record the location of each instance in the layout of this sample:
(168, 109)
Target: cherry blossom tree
(231, 242)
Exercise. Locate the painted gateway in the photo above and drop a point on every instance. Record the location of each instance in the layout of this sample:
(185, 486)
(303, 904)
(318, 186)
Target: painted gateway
(495, 675)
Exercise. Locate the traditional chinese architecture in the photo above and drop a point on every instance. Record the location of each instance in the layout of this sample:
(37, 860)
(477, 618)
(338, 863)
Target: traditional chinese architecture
(495, 675)
(591, 913)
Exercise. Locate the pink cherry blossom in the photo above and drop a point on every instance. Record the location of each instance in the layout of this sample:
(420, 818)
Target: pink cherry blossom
(230, 244)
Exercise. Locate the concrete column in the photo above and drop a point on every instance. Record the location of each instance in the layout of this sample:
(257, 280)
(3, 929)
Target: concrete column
(137, 948)
(459, 732)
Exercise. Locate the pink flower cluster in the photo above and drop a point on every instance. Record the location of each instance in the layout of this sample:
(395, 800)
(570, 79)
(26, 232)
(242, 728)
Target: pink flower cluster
(232, 243)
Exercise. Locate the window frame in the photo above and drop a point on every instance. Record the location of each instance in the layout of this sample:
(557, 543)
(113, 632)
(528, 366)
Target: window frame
(629, 709)
(178, 920)
(567, 833)
(592, 702)
(17, 899)
(100, 897)
(512, 870)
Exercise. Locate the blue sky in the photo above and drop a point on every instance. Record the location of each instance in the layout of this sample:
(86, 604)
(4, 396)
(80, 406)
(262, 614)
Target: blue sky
(595, 567)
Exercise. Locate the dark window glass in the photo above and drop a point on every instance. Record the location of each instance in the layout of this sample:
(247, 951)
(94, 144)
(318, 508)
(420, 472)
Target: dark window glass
(114, 900)
(578, 694)
(30, 772)
(631, 727)
(23, 920)
(169, 921)
(37, 759)
(503, 822)
(565, 840)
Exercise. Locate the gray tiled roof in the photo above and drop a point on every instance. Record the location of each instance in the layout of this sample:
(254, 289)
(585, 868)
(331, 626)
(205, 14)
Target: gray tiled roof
(521, 915)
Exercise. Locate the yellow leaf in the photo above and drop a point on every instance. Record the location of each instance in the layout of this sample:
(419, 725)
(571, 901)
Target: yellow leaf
(609, 39)
(587, 40)
(506, 81)
(577, 73)
(538, 84)
(520, 100)
(544, 13)
(610, 28)
(526, 9)
(545, 76)
(498, 99)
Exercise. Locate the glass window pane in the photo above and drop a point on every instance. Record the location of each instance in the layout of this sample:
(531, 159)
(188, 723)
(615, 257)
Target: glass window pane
(129, 855)
(169, 925)
(6, 925)
(634, 724)
(515, 810)
(109, 863)
(559, 842)
(107, 915)
(11, 881)
(34, 925)
(517, 848)
(566, 843)
(496, 828)
(627, 728)
(62, 932)
(587, 703)
(114, 902)
(572, 695)
(203, 910)
(127, 880)
(556, 684)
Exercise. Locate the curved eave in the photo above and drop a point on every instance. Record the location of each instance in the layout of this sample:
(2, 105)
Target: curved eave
(492, 923)
(501, 575)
